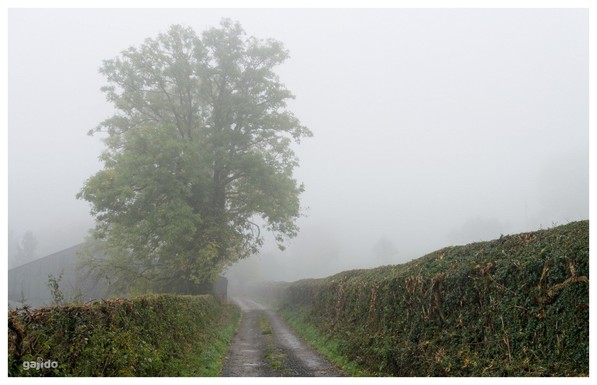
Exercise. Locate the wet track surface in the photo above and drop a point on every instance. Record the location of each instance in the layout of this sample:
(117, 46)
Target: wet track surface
(265, 346)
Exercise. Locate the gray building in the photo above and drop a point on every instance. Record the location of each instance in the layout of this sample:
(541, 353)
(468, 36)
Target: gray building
(28, 283)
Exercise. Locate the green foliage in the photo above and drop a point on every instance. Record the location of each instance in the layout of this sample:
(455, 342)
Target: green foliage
(55, 291)
(199, 147)
(265, 325)
(516, 306)
(163, 335)
(326, 345)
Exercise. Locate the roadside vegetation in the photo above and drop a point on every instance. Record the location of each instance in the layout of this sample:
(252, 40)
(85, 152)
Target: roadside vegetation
(158, 335)
(515, 306)
(328, 347)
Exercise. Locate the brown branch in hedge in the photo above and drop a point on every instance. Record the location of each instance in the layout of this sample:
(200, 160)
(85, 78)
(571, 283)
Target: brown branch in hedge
(19, 333)
(553, 291)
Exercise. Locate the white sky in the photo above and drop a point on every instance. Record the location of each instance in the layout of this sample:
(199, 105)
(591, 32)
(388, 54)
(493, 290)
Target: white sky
(431, 127)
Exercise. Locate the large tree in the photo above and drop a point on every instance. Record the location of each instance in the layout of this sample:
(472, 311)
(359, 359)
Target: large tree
(197, 157)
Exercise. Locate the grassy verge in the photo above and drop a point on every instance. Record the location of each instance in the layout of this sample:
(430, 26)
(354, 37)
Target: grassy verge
(327, 346)
(209, 360)
(158, 335)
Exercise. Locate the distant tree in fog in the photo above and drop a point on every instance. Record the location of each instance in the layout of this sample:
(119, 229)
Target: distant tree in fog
(198, 148)
(477, 229)
(11, 249)
(23, 251)
(384, 252)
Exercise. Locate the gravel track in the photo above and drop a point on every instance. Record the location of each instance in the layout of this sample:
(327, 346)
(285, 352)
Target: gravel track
(265, 346)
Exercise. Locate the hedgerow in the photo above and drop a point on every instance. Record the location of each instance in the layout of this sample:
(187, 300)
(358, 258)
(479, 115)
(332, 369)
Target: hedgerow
(161, 335)
(516, 306)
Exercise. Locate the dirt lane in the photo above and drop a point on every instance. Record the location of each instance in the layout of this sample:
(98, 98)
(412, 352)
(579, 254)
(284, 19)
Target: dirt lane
(265, 346)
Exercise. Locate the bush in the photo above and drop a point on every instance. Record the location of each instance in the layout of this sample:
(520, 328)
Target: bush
(143, 336)
(516, 306)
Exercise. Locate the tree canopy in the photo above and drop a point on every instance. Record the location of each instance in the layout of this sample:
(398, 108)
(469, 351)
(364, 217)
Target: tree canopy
(199, 148)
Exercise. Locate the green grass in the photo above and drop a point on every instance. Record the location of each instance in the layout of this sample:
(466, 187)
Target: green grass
(274, 357)
(209, 361)
(327, 346)
(265, 325)
(275, 360)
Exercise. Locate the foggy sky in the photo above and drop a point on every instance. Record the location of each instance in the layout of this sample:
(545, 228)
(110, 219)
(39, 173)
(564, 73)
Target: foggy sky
(431, 127)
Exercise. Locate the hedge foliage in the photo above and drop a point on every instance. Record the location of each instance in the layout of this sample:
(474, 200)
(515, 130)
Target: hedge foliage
(143, 336)
(516, 306)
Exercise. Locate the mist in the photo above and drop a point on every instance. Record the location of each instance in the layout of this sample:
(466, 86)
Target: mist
(431, 127)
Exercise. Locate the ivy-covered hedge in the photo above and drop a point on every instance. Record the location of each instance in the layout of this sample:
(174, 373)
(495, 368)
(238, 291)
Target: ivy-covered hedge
(516, 306)
(161, 335)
